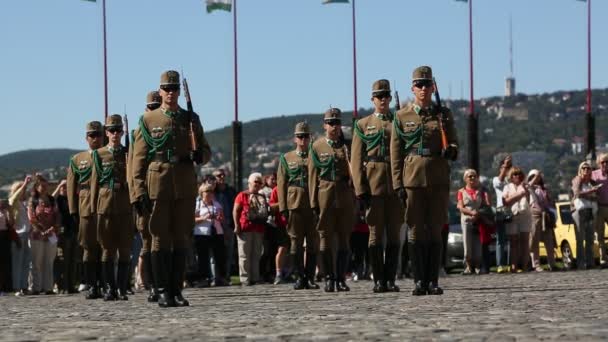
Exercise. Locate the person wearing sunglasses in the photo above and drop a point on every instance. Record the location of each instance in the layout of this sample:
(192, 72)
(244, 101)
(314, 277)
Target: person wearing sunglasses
(516, 195)
(373, 185)
(164, 182)
(81, 208)
(585, 195)
(144, 265)
(110, 196)
(332, 199)
(421, 176)
(601, 177)
(294, 205)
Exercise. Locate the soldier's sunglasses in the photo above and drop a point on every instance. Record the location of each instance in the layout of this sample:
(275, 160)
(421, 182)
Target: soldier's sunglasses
(333, 122)
(381, 96)
(114, 130)
(94, 134)
(422, 84)
(173, 88)
(153, 106)
(302, 136)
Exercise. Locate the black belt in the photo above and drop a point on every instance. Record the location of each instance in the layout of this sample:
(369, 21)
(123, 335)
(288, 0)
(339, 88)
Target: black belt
(115, 186)
(297, 185)
(162, 158)
(84, 187)
(378, 159)
(424, 152)
(338, 179)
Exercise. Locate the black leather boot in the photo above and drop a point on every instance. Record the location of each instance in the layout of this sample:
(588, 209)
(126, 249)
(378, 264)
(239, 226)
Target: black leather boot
(297, 260)
(90, 274)
(177, 277)
(417, 260)
(161, 262)
(327, 263)
(375, 255)
(341, 265)
(311, 268)
(109, 280)
(149, 278)
(123, 280)
(390, 267)
(434, 262)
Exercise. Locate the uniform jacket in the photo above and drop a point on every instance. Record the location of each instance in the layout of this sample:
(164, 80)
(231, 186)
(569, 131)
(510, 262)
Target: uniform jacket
(109, 188)
(421, 124)
(161, 155)
(328, 187)
(371, 156)
(79, 185)
(292, 181)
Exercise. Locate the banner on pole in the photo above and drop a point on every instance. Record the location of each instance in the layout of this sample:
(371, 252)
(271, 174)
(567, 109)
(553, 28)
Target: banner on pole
(335, 2)
(223, 5)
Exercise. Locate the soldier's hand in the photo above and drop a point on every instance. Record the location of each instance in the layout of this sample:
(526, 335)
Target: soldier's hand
(196, 156)
(76, 220)
(366, 199)
(285, 214)
(451, 152)
(402, 194)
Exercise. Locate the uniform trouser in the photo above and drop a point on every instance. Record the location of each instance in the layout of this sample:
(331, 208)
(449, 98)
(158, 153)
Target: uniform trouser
(584, 237)
(142, 223)
(250, 245)
(67, 249)
(472, 245)
(300, 226)
(601, 219)
(21, 258)
(43, 256)
(87, 237)
(336, 222)
(358, 245)
(115, 235)
(385, 215)
(541, 233)
(171, 223)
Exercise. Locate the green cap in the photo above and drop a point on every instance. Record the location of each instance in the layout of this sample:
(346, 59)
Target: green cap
(169, 77)
(381, 86)
(302, 128)
(422, 73)
(332, 114)
(114, 120)
(94, 126)
(153, 97)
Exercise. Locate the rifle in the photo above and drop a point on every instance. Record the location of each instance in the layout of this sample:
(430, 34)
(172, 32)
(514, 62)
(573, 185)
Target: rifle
(444, 137)
(397, 103)
(127, 140)
(193, 142)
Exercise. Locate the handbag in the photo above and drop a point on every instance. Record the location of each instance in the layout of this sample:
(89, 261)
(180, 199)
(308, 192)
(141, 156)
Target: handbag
(503, 214)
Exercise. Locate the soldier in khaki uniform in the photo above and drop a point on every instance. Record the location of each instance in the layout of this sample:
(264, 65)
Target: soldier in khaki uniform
(81, 209)
(332, 198)
(164, 182)
(373, 185)
(153, 101)
(294, 205)
(110, 196)
(421, 176)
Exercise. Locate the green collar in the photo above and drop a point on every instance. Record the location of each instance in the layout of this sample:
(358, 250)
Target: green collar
(418, 109)
(302, 154)
(381, 116)
(169, 113)
(331, 143)
(114, 150)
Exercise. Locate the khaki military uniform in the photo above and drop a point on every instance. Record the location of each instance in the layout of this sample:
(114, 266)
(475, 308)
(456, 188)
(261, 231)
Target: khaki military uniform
(141, 220)
(292, 188)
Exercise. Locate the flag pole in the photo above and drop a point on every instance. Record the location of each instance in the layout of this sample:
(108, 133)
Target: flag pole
(589, 117)
(237, 128)
(472, 122)
(105, 63)
(354, 62)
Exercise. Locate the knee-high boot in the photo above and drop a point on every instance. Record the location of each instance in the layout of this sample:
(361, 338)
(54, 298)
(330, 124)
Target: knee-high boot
(297, 260)
(377, 262)
(177, 276)
(328, 271)
(311, 267)
(123, 279)
(161, 266)
(390, 267)
(148, 276)
(110, 280)
(417, 257)
(434, 261)
(342, 265)
(90, 274)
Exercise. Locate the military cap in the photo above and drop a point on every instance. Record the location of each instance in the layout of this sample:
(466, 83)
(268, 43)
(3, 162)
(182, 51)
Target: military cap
(422, 73)
(153, 97)
(94, 126)
(381, 86)
(302, 128)
(169, 78)
(114, 120)
(332, 114)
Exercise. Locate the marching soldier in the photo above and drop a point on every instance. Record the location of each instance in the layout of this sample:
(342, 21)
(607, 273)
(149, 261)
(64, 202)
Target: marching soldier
(164, 180)
(294, 205)
(373, 185)
(153, 101)
(110, 193)
(332, 198)
(421, 176)
(81, 208)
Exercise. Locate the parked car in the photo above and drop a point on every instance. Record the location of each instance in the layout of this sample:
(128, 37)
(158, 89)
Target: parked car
(455, 248)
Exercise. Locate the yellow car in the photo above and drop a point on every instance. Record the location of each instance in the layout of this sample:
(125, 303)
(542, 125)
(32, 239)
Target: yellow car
(565, 238)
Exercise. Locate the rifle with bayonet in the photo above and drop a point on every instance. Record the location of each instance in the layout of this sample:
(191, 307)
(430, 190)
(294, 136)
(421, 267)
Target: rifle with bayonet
(193, 141)
(448, 152)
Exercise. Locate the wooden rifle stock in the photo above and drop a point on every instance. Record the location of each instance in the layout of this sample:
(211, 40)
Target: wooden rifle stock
(444, 137)
(193, 141)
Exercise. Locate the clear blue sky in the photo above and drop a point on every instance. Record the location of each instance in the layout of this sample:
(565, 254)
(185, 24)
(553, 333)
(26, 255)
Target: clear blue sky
(295, 56)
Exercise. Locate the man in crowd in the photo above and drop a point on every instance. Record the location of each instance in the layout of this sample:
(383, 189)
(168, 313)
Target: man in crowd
(601, 177)
(225, 194)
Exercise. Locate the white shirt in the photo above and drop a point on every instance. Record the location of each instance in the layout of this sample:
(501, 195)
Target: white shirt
(202, 209)
(499, 188)
(22, 226)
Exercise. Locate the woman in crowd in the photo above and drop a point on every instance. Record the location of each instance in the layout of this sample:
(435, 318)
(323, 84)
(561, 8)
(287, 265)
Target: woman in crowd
(584, 190)
(471, 198)
(209, 236)
(516, 195)
(250, 214)
(542, 221)
(45, 220)
(6, 227)
(21, 254)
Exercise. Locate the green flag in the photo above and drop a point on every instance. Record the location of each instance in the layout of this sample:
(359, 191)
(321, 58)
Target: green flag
(334, 1)
(224, 5)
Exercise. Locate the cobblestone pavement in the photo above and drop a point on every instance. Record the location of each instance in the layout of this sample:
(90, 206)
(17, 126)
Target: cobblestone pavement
(548, 306)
